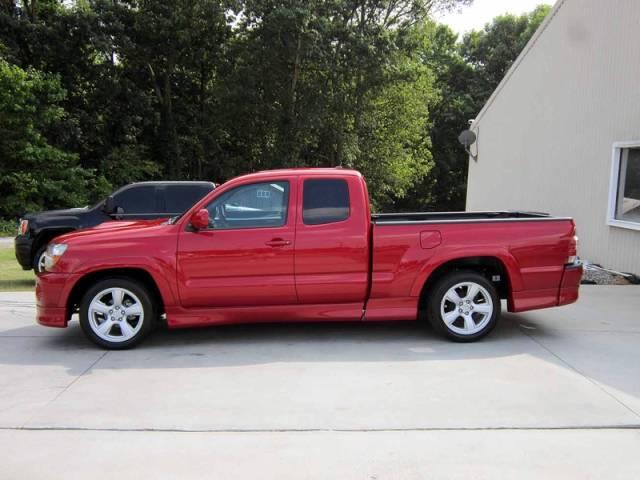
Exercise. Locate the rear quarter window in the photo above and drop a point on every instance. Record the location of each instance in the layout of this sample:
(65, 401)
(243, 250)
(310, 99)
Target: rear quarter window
(325, 201)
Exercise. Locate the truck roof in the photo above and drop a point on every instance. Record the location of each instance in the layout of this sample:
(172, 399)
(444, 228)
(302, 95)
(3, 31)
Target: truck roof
(303, 171)
(173, 182)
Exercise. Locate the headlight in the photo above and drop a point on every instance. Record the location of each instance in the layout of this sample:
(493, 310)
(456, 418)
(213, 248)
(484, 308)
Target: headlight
(54, 252)
(24, 227)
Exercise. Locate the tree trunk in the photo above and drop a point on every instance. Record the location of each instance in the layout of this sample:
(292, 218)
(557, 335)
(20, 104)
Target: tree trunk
(168, 140)
(290, 121)
(173, 154)
(31, 7)
(200, 154)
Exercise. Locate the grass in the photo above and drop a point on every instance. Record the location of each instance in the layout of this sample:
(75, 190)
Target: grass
(8, 228)
(12, 277)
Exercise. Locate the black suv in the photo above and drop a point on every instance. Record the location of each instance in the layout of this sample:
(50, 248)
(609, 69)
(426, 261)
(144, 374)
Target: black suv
(137, 201)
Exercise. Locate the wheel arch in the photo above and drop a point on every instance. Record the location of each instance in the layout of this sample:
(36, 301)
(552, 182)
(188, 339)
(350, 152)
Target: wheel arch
(491, 267)
(134, 273)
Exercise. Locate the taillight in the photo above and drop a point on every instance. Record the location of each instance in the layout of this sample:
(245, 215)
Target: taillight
(573, 249)
(24, 227)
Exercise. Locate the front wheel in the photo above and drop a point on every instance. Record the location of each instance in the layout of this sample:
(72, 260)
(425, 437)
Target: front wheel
(464, 306)
(116, 313)
(38, 259)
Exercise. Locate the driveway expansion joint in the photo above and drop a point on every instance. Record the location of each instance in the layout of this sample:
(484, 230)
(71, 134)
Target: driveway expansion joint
(579, 372)
(328, 430)
(68, 386)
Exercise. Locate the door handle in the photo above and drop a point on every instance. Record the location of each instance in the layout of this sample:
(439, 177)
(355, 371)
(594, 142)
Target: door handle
(277, 242)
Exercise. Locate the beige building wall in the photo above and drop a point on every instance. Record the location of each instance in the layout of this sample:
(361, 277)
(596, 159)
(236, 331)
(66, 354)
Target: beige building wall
(545, 138)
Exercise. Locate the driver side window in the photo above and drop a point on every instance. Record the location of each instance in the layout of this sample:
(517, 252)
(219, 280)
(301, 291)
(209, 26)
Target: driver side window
(258, 205)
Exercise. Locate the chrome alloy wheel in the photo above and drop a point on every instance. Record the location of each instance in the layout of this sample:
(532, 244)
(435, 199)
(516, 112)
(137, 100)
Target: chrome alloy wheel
(466, 308)
(116, 314)
(40, 262)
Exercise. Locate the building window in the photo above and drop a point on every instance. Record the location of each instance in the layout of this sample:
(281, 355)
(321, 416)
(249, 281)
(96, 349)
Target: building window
(624, 191)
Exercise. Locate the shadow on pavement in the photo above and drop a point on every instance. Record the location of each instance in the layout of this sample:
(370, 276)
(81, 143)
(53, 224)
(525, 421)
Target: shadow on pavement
(266, 343)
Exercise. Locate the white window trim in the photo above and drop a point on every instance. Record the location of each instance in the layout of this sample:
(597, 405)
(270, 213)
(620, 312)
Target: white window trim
(613, 186)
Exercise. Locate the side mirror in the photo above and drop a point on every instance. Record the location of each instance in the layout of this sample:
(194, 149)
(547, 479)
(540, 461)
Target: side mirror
(200, 219)
(109, 205)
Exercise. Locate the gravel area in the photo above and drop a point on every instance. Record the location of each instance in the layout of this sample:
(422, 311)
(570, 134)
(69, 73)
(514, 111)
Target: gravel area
(6, 241)
(595, 275)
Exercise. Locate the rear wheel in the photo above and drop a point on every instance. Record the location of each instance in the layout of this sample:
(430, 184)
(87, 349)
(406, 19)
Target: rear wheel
(116, 313)
(464, 306)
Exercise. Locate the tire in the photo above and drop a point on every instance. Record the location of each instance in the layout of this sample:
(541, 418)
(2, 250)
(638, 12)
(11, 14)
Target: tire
(104, 308)
(463, 306)
(38, 259)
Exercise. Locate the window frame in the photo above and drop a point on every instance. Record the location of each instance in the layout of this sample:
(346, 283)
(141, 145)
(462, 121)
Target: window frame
(287, 204)
(614, 186)
(321, 178)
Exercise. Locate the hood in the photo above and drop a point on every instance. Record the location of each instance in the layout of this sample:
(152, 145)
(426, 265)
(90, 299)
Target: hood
(54, 214)
(117, 224)
(116, 230)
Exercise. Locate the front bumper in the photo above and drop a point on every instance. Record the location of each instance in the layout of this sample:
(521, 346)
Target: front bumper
(52, 293)
(570, 284)
(24, 247)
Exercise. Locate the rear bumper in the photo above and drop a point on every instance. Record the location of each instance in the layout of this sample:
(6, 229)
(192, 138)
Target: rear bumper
(570, 284)
(564, 294)
(23, 247)
(52, 292)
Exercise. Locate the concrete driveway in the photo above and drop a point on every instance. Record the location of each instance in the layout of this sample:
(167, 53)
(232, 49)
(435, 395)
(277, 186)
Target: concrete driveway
(554, 393)
(6, 241)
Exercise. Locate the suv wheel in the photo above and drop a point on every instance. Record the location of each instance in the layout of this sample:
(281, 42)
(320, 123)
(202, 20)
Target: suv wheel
(38, 259)
(464, 306)
(116, 313)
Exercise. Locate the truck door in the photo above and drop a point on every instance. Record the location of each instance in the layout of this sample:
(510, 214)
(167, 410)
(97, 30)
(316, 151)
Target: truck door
(332, 240)
(245, 258)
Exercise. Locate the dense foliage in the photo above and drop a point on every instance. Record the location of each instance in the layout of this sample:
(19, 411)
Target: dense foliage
(466, 73)
(95, 94)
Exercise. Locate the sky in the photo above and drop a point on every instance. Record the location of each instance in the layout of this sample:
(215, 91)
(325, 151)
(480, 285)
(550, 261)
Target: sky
(483, 11)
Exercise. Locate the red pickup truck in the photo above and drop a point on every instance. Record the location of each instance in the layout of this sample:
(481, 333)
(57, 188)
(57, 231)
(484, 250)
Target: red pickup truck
(302, 245)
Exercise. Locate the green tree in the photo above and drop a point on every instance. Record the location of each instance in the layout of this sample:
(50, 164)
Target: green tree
(492, 50)
(311, 84)
(174, 50)
(466, 73)
(212, 89)
(33, 172)
(104, 108)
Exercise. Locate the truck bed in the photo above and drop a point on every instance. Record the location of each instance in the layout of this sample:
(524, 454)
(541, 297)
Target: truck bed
(458, 217)
(529, 251)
